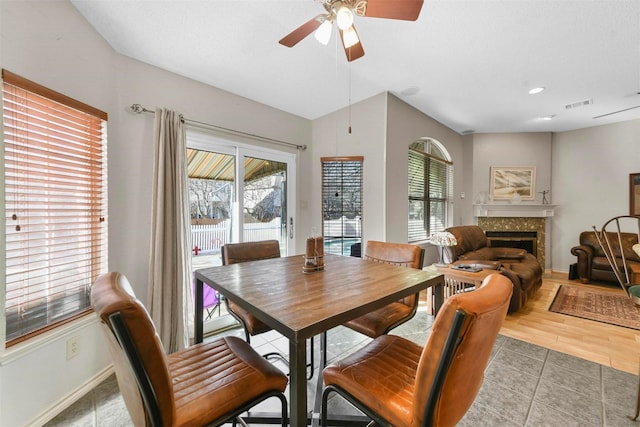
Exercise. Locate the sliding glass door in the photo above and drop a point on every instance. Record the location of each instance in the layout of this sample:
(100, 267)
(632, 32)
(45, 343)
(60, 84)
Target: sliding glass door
(264, 201)
(212, 195)
(237, 193)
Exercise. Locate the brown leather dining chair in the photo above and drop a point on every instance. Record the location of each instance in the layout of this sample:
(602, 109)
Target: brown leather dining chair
(206, 384)
(396, 382)
(382, 320)
(233, 253)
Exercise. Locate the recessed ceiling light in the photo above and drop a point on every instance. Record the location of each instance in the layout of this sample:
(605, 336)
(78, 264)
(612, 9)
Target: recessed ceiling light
(536, 90)
(549, 117)
(411, 90)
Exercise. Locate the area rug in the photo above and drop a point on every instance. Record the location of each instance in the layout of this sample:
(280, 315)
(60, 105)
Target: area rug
(599, 305)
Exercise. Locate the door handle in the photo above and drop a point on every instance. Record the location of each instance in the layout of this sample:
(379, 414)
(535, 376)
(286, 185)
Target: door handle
(291, 227)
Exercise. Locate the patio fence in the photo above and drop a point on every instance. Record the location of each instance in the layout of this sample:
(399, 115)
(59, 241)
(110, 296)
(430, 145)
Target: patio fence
(211, 237)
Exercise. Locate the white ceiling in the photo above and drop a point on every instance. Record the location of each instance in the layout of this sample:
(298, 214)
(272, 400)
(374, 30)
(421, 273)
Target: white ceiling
(467, 63)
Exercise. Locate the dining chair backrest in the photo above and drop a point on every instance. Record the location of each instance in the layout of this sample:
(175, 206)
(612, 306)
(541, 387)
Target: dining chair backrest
(135, 347)
(401, 254)
(451, 367)
(233, 253)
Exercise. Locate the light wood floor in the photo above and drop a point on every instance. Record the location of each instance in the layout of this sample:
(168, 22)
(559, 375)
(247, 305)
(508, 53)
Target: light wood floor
(605, 344)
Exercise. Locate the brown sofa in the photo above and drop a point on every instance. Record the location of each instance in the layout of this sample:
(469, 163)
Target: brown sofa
(521, 267)
(593, 264)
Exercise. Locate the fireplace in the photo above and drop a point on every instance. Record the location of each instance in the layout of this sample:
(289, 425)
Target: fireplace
(527, 240)
(521, 232)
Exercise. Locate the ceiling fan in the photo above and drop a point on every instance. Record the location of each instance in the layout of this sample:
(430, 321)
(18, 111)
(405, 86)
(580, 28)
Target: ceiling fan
(342, 12)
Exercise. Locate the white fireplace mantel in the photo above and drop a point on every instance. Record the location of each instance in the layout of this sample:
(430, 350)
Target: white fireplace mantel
(513, 210)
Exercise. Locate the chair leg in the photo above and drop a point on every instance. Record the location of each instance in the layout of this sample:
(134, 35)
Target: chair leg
(285, 413)
(276, 354)
(280, 356)
(311, 365)
(323, 410)
(244, 416)
(210, 312)
(637, 403)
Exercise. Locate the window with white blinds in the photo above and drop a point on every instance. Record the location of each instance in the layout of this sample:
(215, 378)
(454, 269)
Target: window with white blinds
(430, 189)
(341, 203)
(55, 205)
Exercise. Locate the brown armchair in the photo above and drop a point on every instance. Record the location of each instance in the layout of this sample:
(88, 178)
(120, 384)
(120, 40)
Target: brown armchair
(593, 264)
(206, 384)
(521, 267)
(381, 321)
(396, 382)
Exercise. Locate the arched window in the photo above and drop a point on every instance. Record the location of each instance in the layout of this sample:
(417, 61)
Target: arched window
(430, 188)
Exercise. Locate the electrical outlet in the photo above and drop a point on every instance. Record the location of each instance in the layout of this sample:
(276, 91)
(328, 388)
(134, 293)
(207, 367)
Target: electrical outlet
(73, 347)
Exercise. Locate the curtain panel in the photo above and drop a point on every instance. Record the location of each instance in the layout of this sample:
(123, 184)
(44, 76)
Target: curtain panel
(170, 264)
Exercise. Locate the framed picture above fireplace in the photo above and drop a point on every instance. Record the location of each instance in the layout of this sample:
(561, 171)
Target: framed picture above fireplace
(513, 183)
(634, 193)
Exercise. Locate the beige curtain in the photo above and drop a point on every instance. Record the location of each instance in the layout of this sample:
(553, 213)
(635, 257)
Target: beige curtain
(170, 265)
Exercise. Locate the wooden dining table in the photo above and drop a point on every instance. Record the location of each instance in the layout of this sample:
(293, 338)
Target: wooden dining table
(302, 305)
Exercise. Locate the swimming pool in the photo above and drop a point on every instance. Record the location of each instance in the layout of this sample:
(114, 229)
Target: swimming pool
(340, 246)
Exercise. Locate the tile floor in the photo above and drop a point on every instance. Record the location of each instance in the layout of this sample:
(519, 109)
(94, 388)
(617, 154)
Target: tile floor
(525, 385)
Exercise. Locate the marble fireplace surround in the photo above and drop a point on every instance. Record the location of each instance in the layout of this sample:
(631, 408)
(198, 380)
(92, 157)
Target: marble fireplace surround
(518, 218)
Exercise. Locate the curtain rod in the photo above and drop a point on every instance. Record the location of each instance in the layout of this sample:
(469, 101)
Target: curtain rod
(138, 109)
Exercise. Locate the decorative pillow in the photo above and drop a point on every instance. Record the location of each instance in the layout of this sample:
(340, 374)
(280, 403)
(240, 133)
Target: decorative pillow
(636, 248)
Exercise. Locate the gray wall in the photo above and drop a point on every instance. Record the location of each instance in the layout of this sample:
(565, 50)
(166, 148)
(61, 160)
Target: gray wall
(590, 181)
(511, 149)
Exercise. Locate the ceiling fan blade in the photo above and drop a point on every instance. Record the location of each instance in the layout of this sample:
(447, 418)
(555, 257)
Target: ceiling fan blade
(407, 10)
(302, 31)
(351, 43)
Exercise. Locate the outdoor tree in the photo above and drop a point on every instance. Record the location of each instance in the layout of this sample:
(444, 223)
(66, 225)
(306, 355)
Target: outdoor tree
(210, 198)
(263, 198)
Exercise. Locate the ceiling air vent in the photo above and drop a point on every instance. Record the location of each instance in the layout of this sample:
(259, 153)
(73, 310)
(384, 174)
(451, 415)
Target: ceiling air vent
(578, 104)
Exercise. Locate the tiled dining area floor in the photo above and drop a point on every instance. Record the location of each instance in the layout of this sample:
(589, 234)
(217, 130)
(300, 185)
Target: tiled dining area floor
(525, 385)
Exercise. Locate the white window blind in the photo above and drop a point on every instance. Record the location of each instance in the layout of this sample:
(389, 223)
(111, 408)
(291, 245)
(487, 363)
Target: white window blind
(55, 205)
(341, 203)
(430, 192)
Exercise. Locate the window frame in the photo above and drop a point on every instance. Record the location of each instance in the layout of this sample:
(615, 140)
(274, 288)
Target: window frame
(334, 244)
(60, 144)
(423, 161)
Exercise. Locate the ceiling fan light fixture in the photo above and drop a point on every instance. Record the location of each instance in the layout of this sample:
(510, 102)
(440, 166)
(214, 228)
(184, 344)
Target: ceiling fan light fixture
(344, 17)
(350, 37)
(323, 33)
(342, 12)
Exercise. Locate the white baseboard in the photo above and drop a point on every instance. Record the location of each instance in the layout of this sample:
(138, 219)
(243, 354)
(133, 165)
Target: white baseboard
(71, 398)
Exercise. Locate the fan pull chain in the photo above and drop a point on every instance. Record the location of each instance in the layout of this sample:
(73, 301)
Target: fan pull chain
(337, 76)
(349, 98)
